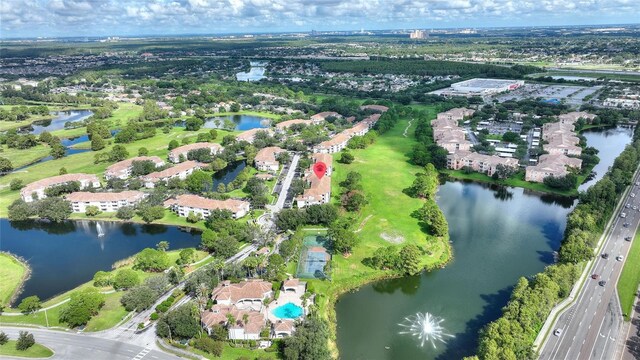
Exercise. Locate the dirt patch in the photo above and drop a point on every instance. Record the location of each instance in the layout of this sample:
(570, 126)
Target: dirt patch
(363, 223)
(394, 237)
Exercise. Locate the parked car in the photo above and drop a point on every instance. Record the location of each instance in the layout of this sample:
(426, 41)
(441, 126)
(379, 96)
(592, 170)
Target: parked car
(628, 206)
(623, 215)
(605, 256)
(628, 238)
(625, 224)
(633, 195)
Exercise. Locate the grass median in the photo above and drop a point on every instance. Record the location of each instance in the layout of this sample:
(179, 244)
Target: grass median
(630, 278)
(36, 351)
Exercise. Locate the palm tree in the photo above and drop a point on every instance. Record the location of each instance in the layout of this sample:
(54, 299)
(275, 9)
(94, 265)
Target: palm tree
(202, 296)
(245, 318)
(218, 267)
(230, 320)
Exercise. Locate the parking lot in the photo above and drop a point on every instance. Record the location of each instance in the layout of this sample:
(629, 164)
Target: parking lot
(569, 94)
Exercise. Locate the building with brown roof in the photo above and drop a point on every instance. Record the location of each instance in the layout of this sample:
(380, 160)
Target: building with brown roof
(122, 169)
(282, 127)
(180, 171)
(561, 139)
(339, 141)
(319, 192)
(320, 117)
(574, 116)
(185, 204)
(36, 190)
(105, 201)
(456, 114)
(282, 328)
(378, 108)
(485, 164)
(556, 165)
(247, 324)
(265, 159)
(181, 152)
(247, 293)
(249, 135)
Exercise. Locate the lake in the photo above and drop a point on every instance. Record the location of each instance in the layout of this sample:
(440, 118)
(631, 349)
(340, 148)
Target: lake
(497, 234)
(57, 123)
(63, 256)
(228, 174)
(610, 142)
(256, 73)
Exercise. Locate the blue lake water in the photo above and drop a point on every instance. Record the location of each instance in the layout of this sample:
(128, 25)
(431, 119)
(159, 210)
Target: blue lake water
(256, 73)
(65, 255)
(242, 122)
(228, 174)
(57, 123)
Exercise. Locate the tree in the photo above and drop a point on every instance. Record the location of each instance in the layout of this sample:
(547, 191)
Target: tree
(290, 219)
(193, 217)
(16, 184)
(58, 151)
(30, 304)
(138, 298)
(352, 181)
(222, 245)
(81, 307)
(125, 212)
(19, 210)
(125, 279)
(152, 260)
(162, 245)
(151, 213)
(180, 323)
(309, 341)
(143, 151)
(5, 165)
(118, 153)
(209, 345)
(434, 218)
(199, 181)
(25, 341)
(97, 143)
(92, 210)
(347, 157)
(3, 338)
(503, 171)
(409, 259)
(343, 239)
(511, 137)
(173, 144)
(101, 279)
(424, 185)
(276, 268)
(353, 200)
(54, 209)
(193, 124)
(185, 256)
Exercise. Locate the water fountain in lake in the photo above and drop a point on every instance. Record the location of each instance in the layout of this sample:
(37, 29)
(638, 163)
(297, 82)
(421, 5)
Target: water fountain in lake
(426, 328)
(100, 231)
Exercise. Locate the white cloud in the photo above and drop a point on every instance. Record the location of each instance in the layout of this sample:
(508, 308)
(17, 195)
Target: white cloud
(105, 17)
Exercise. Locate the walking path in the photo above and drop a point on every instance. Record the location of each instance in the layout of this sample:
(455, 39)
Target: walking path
(407, 128)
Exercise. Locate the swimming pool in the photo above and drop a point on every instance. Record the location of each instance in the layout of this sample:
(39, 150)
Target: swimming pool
(288, 311)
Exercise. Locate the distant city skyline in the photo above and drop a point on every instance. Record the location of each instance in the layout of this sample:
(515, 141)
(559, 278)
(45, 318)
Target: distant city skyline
(72, 18)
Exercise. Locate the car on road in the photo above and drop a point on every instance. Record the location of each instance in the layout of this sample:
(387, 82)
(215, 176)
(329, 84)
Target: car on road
(628, 206)
(637, 183)
(625, 224)
(605, 256)
(635, 207)
(602, 283)
(623, 215)
(557, 332)
(633, 195)
(595, 276)
(628, 238)
(619, 257)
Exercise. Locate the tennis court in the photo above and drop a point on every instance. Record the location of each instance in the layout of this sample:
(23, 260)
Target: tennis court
(313, 258)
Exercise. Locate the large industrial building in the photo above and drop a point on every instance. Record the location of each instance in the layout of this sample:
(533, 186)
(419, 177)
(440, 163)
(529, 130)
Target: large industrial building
(480, 87)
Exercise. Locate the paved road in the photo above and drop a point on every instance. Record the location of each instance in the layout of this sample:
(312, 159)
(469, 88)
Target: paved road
(73, 346)
(591, 328)
(286, 183)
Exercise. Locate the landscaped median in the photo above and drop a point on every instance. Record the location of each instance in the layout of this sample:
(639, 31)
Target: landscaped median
(630, 278)
(36, 351)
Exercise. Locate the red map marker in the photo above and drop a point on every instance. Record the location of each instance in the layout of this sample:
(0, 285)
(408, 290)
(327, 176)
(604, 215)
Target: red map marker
(319, 169)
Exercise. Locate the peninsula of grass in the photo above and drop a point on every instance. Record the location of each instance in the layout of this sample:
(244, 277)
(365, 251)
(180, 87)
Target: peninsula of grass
(13, 273)
(36, 351)
(386, 220)
(630, 278)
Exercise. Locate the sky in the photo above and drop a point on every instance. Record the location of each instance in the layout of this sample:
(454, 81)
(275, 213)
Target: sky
(56, 18)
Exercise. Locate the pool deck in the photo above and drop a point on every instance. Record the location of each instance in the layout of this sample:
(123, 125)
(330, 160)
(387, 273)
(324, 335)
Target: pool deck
(288, 296)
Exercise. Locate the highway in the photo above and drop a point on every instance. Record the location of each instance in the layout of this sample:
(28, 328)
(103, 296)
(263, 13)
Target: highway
(73, 346)
(591, 327)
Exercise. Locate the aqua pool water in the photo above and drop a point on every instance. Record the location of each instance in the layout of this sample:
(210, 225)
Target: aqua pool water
(288, 311)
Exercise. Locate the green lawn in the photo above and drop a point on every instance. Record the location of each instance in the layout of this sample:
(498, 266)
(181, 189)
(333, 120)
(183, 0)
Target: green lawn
(630, 278)
(234, 353)
(36, 351)
(12, 273)
(21, 157)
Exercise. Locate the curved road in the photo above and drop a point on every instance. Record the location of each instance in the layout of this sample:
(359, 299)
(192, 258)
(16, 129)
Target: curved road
(73, 346)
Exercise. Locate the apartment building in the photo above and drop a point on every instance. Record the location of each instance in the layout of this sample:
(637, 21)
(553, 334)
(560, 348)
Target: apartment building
(183, 151)
(105, 201)
(122, 169)
(185, 204)
(36, 190)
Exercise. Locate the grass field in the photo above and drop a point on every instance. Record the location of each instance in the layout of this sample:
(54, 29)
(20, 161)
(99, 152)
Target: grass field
(24, 157)
(234, 353)
(630, 278)
(385, 221)
(36, 351)
(12, 273)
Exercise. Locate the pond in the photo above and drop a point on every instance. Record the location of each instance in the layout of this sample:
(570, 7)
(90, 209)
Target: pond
(57, 123)
(228, 174)
(63, 256)
(497, 234)
(610, 142)
(256, 73)
(240, 122)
